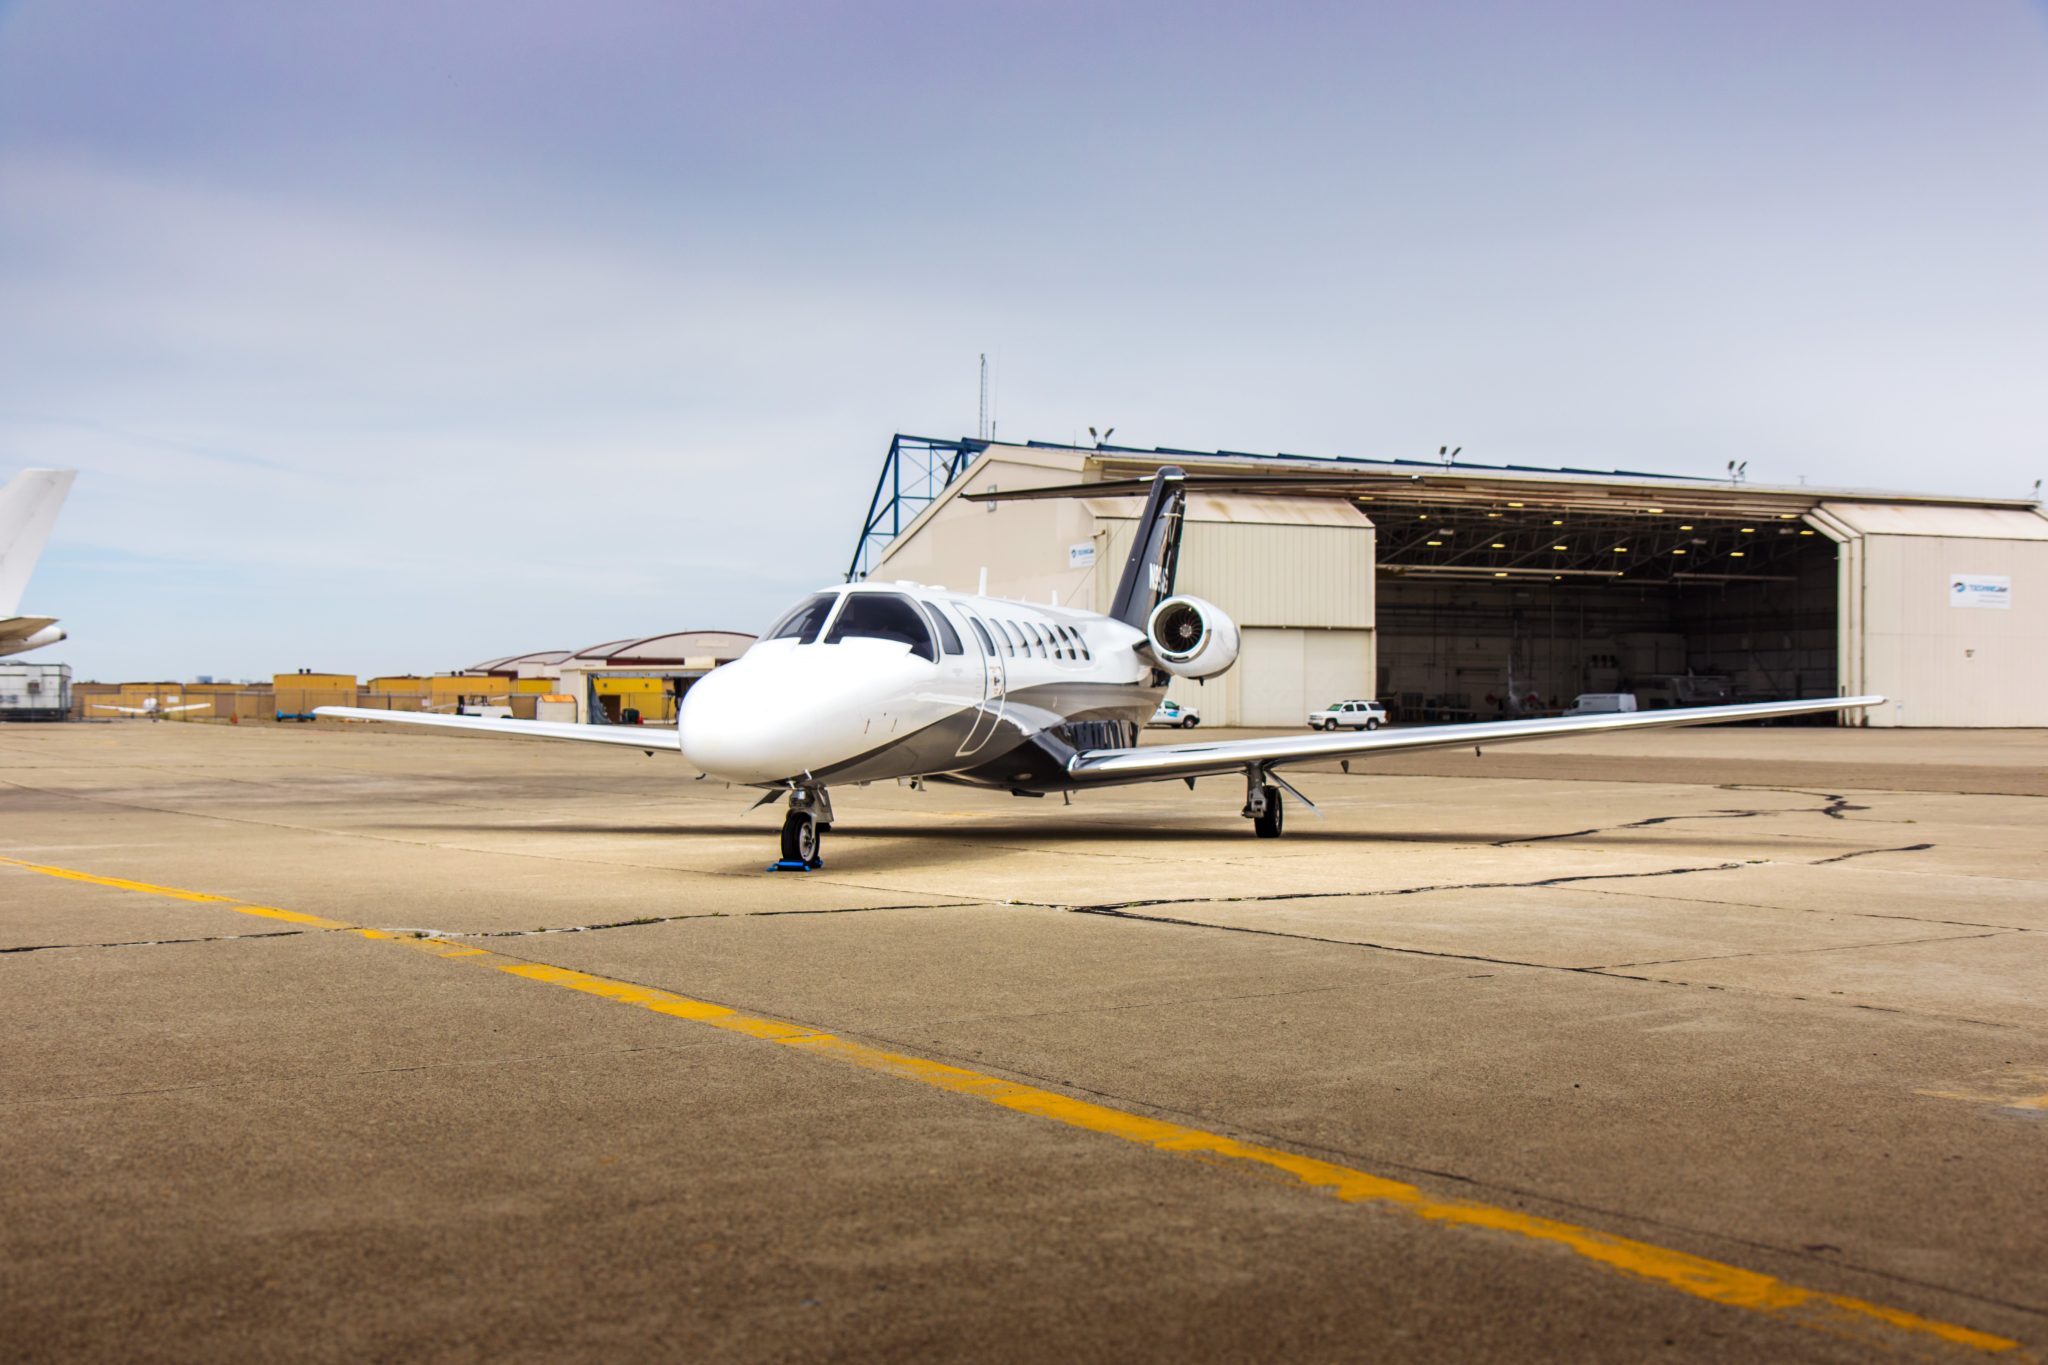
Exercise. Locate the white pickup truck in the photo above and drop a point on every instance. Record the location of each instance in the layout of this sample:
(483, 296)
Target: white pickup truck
(1355, 715)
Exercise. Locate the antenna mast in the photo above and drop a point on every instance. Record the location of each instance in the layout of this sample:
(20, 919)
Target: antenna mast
(981, 427)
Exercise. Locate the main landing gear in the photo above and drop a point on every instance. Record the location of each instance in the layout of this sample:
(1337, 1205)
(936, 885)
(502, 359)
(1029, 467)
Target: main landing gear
(803, 830)
(1262, 805)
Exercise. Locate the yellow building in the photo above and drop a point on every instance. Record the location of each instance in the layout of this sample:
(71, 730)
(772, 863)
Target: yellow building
(294, 695)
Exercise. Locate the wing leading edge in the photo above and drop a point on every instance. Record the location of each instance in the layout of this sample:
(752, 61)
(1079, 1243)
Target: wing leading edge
(623, 736)
(1154, 762)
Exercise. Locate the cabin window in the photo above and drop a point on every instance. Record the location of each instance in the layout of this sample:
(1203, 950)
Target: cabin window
(801, 622)
(883, 616)
(949, 638)
(988, 646)
(1038, 635)
(1014, 637)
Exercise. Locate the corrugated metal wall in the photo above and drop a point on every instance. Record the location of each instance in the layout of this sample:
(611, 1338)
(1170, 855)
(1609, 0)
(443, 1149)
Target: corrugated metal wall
(1303, 597)
(1945, 665)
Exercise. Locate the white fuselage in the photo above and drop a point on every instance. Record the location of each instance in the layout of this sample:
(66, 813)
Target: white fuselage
(825, 698)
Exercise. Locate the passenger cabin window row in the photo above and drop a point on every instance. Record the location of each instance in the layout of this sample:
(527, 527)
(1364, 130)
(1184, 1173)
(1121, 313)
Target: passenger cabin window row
(1032, 640)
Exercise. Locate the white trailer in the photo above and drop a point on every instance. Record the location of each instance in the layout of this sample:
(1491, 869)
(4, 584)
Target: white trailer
(35, 691)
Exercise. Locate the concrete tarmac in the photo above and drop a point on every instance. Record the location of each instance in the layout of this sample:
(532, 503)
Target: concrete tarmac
(337, 1042)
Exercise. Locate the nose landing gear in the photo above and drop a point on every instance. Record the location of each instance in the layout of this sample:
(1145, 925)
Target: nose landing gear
(803, 830)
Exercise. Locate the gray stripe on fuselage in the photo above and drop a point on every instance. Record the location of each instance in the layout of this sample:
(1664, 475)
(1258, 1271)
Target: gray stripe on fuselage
(935, 749)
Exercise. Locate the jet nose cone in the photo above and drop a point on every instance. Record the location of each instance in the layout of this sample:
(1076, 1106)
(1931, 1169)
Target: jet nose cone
(767, 717)
(725, 726)
(786, 710)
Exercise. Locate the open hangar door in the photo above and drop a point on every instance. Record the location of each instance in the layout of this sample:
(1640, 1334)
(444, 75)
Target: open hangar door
(1494, 608)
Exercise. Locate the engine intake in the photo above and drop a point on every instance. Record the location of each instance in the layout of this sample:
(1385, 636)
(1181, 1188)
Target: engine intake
(1191, 638)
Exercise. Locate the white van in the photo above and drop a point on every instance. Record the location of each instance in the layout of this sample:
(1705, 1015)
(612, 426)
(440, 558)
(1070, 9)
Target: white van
(1602, 703)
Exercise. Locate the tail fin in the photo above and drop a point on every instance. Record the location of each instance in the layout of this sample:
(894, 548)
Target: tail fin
(28, 509)
(1155, 550)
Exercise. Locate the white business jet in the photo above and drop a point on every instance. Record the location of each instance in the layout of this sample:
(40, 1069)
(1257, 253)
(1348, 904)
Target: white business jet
(28, 509)
(869, 682)
(151, 708)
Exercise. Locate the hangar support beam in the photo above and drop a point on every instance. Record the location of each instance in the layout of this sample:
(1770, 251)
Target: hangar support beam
(914, 472)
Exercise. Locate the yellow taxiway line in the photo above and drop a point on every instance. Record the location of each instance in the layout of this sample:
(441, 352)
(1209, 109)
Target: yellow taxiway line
(1714, 1281)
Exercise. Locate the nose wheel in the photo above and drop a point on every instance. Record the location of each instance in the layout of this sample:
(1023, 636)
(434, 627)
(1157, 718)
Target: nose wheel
(800, 838)
(803, 830)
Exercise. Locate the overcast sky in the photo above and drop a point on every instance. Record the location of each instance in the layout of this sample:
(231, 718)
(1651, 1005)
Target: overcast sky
(393, 336)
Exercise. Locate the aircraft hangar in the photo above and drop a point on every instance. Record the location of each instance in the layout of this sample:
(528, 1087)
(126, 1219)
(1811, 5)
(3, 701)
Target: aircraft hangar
(1453, 591)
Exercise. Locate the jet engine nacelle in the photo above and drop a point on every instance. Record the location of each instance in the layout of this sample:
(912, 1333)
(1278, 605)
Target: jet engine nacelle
(1190, 638)
(48, 635)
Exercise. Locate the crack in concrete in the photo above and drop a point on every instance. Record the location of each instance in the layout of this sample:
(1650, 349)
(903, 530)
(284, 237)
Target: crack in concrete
(150, 942)
(1801, 952)
(98, 800)
(1811, 910)
(1072, 1011)
(1604, 973)
(452, 1063)
(1116, 907)
(1835, 808)
(1866, 852)
(644, 920)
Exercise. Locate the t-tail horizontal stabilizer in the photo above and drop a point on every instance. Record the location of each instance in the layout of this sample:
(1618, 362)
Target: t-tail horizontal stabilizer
(1155, 544)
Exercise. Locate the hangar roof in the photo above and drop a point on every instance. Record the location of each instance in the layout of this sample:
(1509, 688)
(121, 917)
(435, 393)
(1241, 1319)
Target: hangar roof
(1246, 510)
(653, 651)
(521, 663)
(1439, 480)
(675, 649)
(1965, 523)
(1608, 508)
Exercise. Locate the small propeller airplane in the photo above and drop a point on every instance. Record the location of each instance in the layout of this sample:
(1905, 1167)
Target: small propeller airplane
(866, 682)
(151, 708)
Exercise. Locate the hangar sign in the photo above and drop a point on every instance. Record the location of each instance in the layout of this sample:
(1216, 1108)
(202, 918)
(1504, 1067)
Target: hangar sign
(1980, 590)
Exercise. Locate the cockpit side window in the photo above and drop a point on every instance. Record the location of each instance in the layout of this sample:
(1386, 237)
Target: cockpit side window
(949, 638)
(883, 616)
(802, 621)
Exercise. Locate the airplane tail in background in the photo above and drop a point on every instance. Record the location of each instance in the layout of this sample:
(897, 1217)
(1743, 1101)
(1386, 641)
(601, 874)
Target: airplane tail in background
(1155, 550)
(28, 509)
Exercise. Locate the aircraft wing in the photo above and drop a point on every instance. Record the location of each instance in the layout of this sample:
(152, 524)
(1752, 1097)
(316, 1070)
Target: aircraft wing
(124, 710)
(1152, 763)
(648, 737)
(21, 627)
(188, 706)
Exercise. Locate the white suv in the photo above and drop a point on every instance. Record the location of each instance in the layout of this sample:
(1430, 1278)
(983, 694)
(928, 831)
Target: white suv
(1358, 715)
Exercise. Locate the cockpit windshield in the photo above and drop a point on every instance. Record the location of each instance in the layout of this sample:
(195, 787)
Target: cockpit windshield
(884, 616)
(802, 622)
